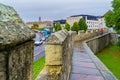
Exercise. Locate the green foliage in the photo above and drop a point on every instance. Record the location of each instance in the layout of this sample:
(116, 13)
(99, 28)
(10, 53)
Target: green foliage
(58, 26)
(67, 26)
(113, 18)
(109, 19)
(75, 27)
(82, 25)
(118, 44)
(38, 66)
(116, 5)
(118, 31)
(35, 26)
(116, 14)
(110, 56)
(40, 28)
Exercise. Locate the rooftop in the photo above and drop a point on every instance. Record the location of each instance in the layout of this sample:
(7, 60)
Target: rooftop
(89, 17)
(62, 21)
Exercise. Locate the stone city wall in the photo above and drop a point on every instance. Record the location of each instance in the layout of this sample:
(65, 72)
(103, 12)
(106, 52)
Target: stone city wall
(16, 63)
(86, 35)
(98, 43)
(59, 48)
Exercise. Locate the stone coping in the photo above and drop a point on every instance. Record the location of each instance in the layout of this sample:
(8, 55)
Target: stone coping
(12, 29)
(57, 38)
(96, 37)
(106, 73)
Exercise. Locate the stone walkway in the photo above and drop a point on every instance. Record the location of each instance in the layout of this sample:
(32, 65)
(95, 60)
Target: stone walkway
(86, 66)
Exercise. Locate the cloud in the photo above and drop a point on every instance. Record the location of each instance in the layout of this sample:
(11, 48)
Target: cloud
(57, 9)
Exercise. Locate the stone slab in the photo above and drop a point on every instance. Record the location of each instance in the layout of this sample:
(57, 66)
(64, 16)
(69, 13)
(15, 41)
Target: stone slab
(87, 71)
(84, 64)
(85, 77)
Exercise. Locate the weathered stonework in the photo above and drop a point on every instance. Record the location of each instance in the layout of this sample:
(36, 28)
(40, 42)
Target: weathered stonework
(86, 35)
(58, 57)
(54, 51)
(21, 62)
(12, 28)
(98, 43)
(2, 65)
(16, 46)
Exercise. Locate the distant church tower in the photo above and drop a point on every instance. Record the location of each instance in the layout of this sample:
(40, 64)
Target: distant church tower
(39, 19)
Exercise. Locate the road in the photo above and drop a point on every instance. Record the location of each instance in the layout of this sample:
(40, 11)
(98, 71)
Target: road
(39, 51)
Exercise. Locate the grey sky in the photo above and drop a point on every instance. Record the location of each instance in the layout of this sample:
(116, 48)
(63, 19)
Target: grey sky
(30, 10)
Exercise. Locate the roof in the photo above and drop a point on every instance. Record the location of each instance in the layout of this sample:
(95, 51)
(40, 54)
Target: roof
(42, 22)
(61, 21)
(89, 17)
(12, 29)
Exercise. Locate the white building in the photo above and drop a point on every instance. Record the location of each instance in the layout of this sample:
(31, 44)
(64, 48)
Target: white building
(93, 22)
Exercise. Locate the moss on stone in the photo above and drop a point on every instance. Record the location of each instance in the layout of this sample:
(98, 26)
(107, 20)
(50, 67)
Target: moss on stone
(12, 29)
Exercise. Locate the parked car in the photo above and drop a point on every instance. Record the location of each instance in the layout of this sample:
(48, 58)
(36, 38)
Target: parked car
(43, 38)
(38, 42)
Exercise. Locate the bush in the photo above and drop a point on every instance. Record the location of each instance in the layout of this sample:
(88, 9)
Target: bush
(118, 44)
(118, 31)
(75, 27)
(40, 28)
(58, 26)
(67, 26)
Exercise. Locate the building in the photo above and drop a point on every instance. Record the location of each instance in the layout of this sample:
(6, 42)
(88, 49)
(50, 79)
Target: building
(41, 24)
(93, 22)
(70, 20)
(62, 22)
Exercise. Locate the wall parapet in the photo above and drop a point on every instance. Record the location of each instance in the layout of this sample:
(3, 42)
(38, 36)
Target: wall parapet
(58, 57)
(16, 46)
(98, 43)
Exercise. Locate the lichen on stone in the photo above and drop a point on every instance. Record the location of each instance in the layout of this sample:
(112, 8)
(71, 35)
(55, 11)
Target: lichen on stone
(12, 28)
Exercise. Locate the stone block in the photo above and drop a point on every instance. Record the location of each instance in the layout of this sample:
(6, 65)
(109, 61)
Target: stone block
(2, 61)
(12, 29)
(2, 56)
(53, 54)
(2, 76)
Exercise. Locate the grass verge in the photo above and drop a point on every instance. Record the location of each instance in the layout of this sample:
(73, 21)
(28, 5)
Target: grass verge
(38, 66)
(110, 56)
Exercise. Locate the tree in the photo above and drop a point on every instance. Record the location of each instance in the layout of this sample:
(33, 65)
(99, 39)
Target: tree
(109, 19)
(118, 44)
(75, 27)
(67, 26)
(82, 24)
(116, 16)
(35, 26)
(58, 26)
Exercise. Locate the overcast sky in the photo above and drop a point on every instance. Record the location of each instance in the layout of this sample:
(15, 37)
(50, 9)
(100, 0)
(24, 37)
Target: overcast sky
(30, 10)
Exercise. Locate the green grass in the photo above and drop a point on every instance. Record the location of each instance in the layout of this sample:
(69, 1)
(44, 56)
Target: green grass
(110, 56)
(38, 66)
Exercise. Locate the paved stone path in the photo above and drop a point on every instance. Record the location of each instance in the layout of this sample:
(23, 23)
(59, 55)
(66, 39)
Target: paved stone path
(86, 66)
